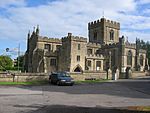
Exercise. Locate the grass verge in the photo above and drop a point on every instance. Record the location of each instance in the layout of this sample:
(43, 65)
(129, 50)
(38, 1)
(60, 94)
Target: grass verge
(25, 83)
(91, 81)
(139, 108)
(46, 82)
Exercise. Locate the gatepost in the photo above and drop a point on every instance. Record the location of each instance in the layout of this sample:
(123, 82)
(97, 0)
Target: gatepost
(109, 74)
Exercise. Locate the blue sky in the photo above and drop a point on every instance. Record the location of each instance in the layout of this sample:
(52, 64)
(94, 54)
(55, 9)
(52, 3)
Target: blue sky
(58, 17)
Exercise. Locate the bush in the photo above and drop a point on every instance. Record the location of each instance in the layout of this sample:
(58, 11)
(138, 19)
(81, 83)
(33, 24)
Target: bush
(11, 69)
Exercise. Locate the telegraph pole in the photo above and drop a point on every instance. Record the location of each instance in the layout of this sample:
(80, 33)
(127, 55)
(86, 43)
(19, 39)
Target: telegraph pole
(18, 56)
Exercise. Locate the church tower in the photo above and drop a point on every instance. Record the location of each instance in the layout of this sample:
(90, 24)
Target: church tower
(104, 31)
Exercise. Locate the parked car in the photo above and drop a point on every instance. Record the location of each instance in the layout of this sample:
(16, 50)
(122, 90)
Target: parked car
(61, 78)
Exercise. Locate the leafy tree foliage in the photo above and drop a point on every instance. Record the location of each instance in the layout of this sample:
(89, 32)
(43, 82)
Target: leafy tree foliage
(144, 45)
(21, 61)
(5, 62)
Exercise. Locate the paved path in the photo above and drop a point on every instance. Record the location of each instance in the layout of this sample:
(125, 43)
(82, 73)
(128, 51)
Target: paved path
(83, 98)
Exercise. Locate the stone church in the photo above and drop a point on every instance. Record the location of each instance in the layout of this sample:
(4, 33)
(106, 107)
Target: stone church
(104, 50)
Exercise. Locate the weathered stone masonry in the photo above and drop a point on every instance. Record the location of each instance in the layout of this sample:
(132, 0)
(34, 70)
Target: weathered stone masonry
(105, 50)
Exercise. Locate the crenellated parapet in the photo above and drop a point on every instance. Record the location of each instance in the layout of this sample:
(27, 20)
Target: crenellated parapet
(113, 45)
(95, 56)
(142, 51)
(46, 39)
(130, 45)
(104, 22)
(74, 38)
(90, 44)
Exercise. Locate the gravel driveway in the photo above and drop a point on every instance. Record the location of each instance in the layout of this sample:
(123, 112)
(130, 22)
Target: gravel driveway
(81, 98)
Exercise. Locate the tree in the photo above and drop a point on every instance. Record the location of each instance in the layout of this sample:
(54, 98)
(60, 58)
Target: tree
(21, 61)
(148, 51)
(146, 46)
(5, 62)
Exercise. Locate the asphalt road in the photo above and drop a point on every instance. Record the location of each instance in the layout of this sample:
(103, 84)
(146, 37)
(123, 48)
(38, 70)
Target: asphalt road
(81, 98)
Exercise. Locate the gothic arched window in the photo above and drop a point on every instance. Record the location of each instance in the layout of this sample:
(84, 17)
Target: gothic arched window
(111, 34)
(129, 58)
(89, 63)
(141, 60)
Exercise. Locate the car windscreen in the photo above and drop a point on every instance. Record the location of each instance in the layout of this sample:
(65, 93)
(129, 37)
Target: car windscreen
(63, 75)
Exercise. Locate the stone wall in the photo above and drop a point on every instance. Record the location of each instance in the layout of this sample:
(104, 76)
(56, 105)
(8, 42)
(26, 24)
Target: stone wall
(89, 75)
(31, 77)
(22, 77)
(6, 77)
(136, 74)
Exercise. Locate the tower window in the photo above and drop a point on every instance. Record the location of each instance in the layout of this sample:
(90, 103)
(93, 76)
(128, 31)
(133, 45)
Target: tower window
(112, 35)
(78, 58)
(53, 62)
(47, 46)
(78, 46)
(95, 35)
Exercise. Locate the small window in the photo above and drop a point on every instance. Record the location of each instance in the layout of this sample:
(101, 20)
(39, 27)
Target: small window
(78, 58)
(97, 51)
(47, 46)
(53, 62)
(129, 58)
(112, 35)
(98, 65)
(95, 35)
(58, 47)
(89, 63)
(89, 51)
(78, 46)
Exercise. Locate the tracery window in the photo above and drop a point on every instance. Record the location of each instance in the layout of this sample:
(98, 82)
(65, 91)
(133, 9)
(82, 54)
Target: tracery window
(141, 60)
(129, 58)
(111, 35)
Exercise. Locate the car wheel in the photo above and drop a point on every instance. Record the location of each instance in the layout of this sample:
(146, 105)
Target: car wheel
(71, 84)
(50, 81)
(58, 83)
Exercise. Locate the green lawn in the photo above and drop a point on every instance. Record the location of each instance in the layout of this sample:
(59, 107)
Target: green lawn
(25, 83)
(139, 108)
(46, 82)
(91, 81)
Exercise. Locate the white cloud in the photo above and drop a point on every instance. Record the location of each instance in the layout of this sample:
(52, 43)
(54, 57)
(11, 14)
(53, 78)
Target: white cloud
(147, 11)
(134, 34)
(65, 16)
(59, 17)
(143, 1)
(134, 22)
(5, 3)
